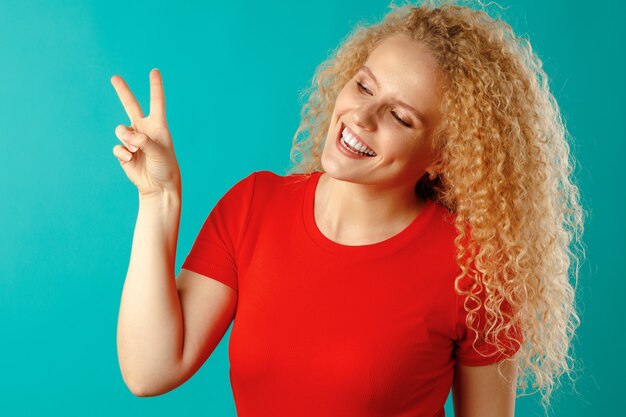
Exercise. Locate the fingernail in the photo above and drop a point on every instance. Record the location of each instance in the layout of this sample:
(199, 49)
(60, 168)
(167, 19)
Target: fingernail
(127, 157)
(132, 148)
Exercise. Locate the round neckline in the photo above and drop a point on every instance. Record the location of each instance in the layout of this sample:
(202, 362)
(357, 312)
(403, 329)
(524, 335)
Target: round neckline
(394, 242)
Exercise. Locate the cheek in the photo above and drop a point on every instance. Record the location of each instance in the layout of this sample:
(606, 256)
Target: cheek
(340, 107)
(345, 100)
(398, 142)
(402, 150)
(420, 157)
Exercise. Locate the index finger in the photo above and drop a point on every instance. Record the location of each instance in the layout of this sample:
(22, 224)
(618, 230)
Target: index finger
(131, 106)
(157, 97)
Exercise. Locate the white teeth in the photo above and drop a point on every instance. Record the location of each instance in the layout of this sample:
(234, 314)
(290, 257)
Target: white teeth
(352, 141)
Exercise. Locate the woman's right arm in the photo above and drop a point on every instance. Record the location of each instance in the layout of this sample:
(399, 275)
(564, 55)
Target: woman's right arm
(167, 327)
(150, 325)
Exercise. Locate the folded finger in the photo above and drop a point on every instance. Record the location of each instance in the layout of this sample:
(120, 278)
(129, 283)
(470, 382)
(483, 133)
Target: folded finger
(122, 154)
(125, 135)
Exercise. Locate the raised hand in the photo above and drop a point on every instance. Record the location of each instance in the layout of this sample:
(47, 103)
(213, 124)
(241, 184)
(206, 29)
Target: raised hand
(148, 157)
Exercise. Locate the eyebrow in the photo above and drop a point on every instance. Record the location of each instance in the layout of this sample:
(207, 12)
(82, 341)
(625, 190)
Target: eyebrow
(369, 72)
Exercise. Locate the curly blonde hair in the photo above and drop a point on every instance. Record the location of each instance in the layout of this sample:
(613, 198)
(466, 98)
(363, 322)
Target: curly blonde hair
(505, 174)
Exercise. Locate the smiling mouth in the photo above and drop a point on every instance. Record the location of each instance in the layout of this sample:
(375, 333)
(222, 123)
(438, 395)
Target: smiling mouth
(351, 144)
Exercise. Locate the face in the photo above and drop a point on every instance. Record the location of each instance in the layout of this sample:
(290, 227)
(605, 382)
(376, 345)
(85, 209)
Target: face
(387, 111)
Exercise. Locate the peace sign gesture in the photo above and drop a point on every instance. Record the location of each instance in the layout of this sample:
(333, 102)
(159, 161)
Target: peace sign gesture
(148, 157)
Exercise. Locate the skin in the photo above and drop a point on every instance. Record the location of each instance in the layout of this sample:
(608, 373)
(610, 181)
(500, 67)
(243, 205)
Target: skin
(479, 391)
(383, 184)
(363, 201)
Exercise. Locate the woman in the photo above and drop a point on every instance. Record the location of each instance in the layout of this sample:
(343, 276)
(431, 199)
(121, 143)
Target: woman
(419, 243)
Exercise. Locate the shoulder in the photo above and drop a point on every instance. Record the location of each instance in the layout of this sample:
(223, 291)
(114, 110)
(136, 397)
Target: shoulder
(442, 222)
(266, 186)
(272, 177)
(269, 181)
(443, 237)
(254, 180)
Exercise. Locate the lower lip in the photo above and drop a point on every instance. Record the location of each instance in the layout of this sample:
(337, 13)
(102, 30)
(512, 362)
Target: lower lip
(346, 152)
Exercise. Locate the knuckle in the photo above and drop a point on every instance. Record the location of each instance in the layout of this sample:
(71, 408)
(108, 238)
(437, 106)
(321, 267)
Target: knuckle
(122, 135)
(141, 138)
(162, 130)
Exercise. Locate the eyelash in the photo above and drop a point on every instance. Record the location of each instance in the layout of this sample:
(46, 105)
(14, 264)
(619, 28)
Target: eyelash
(362, 88)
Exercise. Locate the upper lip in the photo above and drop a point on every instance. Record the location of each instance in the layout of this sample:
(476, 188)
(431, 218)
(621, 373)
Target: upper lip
(353, 133)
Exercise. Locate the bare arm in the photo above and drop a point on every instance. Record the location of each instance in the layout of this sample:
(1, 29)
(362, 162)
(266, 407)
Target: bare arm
(150, 329)
(480, 391)
(166, 327)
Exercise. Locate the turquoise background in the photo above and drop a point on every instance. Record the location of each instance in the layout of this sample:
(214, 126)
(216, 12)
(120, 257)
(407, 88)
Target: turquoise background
(232, 74)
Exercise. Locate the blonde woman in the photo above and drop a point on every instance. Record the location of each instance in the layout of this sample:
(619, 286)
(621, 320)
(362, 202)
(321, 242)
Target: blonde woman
(420, 243)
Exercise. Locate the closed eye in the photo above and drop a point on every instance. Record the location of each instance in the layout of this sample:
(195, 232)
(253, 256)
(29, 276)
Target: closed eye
(400, 120)
(362, 88)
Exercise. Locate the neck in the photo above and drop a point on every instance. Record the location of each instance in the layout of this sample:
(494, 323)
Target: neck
(347, 211)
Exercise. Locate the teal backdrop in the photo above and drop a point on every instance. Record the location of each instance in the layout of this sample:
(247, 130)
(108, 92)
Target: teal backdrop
(232, 73)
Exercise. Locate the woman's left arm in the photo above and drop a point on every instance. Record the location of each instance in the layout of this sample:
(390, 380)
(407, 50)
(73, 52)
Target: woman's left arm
(480, 391)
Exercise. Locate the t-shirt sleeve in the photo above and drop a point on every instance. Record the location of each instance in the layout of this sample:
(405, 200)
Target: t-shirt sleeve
(214, 252)
(487, 353)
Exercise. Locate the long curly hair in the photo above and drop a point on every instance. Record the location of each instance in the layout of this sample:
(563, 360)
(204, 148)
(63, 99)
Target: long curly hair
(506, 168)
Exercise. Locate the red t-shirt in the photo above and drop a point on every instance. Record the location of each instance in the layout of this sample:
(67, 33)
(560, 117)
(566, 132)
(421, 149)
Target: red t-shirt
(325, 329)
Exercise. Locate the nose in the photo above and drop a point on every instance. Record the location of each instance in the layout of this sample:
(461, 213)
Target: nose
(364, 116)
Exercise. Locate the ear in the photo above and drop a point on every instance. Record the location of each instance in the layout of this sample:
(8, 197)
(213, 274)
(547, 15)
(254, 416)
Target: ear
(434, 169)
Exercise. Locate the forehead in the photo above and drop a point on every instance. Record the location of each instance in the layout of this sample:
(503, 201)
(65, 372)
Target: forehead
(406, 69)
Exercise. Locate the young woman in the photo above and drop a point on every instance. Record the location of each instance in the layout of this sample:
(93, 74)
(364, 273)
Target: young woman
(419, 244)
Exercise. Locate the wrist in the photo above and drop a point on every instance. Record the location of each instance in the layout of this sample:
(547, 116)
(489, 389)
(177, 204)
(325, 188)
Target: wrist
(167, 197)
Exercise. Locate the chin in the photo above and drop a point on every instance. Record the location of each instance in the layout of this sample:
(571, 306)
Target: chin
(338, 166)
(337, 172)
